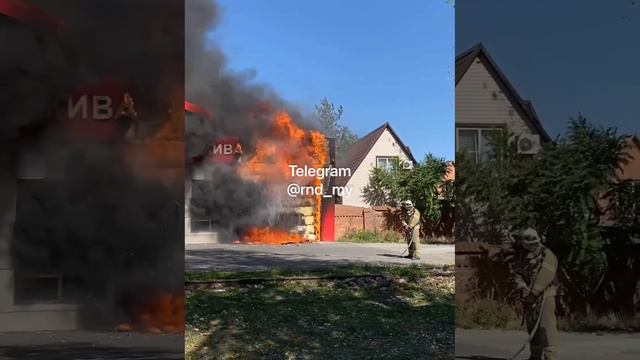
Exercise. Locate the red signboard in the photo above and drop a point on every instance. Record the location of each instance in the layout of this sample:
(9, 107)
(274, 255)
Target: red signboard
(226, 151)
(90, 112)
(23, 11)
(197, 109)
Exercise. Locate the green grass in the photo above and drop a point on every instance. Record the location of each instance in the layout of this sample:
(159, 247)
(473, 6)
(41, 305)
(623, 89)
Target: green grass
(496, 314)
(388, 236)
(610, 322)
(368, 236)
(408, 317)
(412, 272)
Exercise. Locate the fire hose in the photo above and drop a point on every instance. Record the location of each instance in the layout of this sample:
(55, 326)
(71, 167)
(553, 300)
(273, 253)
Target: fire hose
(533, 331)
(408, 247)
(410, 242)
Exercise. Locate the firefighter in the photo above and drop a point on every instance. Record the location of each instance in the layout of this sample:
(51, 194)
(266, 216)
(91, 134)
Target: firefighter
(411, 224)
(534, 269)
(127, 117)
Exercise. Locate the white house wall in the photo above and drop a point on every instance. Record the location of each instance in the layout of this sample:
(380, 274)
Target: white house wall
(385, 146)
(36, 317)
(479, 100)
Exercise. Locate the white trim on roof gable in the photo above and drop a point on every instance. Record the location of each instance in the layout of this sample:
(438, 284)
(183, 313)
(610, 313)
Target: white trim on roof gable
(480, 100)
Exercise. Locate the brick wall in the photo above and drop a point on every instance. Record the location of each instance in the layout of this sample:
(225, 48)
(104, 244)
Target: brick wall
(477, 274)
(378, 218)
(355, 218)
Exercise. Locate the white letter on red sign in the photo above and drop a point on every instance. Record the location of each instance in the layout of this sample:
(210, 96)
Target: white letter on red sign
(228, 149)
(102, 107)
(80, 105)
(217, 148)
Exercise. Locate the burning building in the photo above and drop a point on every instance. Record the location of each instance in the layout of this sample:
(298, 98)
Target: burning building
(263, 212)
(92, 165)
(241, 140)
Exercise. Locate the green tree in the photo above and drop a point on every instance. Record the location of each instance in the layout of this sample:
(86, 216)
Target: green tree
(556, 192)
(622, 231)
(330, 116)
(424, 184)
(376, 192)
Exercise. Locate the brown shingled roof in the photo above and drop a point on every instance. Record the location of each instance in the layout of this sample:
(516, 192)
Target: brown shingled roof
(356, 153)
(464, 61)
(524, 107)
(630, 170)
(451, 172)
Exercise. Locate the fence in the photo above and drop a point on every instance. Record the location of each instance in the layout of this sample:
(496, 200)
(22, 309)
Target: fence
(378, 218)
(355, 218)
(479, 275)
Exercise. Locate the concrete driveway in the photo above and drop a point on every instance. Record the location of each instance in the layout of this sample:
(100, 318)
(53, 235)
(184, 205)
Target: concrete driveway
(235, 257)
(498, 345)
(65, 345)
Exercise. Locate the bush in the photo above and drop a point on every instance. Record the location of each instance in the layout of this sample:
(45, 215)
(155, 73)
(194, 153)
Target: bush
(486, 314)
(559, 193)
(608, 322)
(425, 184)
(369, 236)
(439, 240)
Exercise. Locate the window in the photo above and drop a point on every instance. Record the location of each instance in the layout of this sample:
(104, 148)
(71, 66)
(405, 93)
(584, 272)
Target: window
(45, 288)
(37, 289)
(626, 201)
(385, 162)
(199, 222)
(41, 283)
(476, 142)
(198, 225)
(33, 163)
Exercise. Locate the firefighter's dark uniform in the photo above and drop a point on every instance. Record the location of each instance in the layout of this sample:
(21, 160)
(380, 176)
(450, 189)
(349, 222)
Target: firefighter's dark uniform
(537, 272)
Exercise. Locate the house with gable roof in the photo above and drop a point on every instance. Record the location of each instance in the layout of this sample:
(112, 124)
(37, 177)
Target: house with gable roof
(378, 149)
(487, 102)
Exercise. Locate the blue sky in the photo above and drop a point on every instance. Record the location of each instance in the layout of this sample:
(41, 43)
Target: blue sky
(382, 63)
(568, 57)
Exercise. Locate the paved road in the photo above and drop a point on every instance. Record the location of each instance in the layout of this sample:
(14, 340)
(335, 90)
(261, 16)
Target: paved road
(499, 345)
(66, 345)
(234, 257)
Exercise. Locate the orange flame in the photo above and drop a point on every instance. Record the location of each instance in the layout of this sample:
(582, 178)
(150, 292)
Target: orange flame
(159, 156)
(319, 151)
(286, 144)
(164, 314)
(268, 236)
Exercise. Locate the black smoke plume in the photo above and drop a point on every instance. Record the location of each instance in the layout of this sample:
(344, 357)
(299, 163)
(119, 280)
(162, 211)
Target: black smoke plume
(80, 212)
(241, 109)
